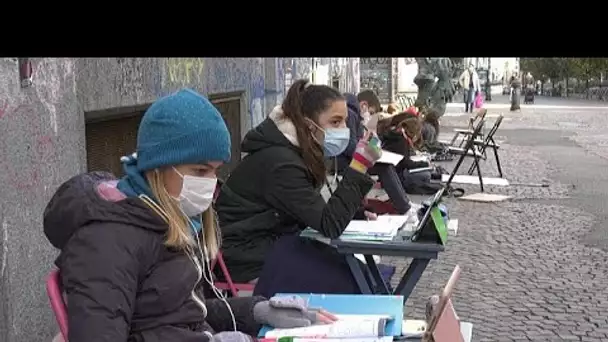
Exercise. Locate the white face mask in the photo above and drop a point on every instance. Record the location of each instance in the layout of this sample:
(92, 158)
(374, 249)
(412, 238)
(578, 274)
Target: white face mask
(197, 194)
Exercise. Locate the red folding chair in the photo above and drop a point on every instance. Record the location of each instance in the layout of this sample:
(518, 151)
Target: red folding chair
(53, 290)
(229, 285)
(59, 307)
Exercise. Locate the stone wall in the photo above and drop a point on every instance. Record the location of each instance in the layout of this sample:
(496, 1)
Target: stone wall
(42, 144)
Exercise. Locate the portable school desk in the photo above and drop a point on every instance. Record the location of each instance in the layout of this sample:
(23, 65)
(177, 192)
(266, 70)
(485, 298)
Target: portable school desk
(422, 245)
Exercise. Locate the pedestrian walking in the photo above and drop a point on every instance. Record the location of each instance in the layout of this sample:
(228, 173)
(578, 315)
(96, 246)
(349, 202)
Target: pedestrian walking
(469, 81)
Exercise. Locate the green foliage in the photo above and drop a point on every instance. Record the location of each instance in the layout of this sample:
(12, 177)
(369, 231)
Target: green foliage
(560, 67)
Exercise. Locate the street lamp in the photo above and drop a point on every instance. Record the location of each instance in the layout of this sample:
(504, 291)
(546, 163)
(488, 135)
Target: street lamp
(488, 85)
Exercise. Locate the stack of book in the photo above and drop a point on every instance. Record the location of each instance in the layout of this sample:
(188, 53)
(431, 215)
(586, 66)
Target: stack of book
(348, 328)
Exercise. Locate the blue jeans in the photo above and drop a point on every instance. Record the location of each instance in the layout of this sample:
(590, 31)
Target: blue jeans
(469, 98)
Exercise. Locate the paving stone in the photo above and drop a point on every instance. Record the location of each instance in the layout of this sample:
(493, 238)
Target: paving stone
(526, 273)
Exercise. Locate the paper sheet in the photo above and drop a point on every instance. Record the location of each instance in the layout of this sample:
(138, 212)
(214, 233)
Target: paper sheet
(390, 158)
(413, 328)
(421, 157)
(453, 226)
(485, 197)
(466, 179)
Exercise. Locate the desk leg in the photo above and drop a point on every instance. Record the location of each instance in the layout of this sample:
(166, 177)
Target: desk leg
(411, 277)
(355, 269)
(375, 272)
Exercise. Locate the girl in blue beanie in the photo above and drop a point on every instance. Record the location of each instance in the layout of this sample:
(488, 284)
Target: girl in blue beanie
(274, 193)
(136, 252)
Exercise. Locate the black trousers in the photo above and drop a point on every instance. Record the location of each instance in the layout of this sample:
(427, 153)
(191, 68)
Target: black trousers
(391, 182)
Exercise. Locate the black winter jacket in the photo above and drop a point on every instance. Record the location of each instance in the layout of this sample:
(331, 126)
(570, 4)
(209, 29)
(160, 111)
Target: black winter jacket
(122, 283)
(394, 141)
(271, 193)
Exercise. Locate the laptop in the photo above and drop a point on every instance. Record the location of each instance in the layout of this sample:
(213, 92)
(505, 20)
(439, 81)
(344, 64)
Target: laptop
(431, 228)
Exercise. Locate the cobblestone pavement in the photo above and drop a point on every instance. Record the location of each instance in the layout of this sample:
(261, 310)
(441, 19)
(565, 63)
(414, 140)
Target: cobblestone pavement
(534, 268)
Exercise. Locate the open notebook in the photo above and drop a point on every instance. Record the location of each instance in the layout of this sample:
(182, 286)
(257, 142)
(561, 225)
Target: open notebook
(385, 228)
(382, 226)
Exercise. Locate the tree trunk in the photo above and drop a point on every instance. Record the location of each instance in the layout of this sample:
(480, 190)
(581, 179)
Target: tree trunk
(587, 88)
(567, 84)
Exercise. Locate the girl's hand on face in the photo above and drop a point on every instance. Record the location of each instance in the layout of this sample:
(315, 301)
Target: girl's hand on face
(366, 135)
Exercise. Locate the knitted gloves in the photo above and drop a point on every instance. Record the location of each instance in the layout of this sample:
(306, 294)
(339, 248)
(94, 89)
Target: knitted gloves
(367, 152)
(286, 312)
(231, 336)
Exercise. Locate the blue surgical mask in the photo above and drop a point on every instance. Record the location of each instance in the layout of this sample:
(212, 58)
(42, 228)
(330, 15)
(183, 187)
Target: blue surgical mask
(336, 141)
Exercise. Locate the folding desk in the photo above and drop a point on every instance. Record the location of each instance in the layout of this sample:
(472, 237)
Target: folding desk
(368, 276)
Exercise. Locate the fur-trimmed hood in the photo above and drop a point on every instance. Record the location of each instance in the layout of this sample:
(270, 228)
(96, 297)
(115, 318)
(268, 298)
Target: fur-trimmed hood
(276, 130)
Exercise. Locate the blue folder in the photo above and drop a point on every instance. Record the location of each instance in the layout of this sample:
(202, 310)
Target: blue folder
(356, 305)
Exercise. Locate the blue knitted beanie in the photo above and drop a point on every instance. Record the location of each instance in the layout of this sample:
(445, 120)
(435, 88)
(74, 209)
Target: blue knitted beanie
(181, 128)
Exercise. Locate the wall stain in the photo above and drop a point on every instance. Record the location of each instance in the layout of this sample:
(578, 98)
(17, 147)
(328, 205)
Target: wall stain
(40, 151)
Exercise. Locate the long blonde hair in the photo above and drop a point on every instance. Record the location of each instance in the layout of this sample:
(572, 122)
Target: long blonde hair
(179, 234)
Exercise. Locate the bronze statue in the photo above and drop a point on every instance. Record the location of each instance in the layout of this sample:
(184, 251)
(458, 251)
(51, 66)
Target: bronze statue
(431, 93)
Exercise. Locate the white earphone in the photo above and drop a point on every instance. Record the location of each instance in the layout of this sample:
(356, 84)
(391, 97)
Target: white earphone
(208, 272)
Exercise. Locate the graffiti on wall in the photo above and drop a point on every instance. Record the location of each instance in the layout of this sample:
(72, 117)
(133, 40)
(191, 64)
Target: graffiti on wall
(256, 93)
(229, 75)
(280, 77)
(129, 76)
(185, 71)
(376, 75)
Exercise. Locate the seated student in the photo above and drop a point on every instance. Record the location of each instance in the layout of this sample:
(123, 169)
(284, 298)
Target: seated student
(274, 193)
(430, 127)
(360, 109)
(430, 132)
(135, 253)
(401, 135)
(367, 105)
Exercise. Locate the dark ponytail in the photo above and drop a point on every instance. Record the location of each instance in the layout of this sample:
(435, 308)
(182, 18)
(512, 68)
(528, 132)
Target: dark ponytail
(306, 101)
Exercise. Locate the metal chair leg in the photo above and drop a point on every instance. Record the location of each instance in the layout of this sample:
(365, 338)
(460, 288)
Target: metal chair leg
(497, 161)
(479, 173)
(454, 139)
